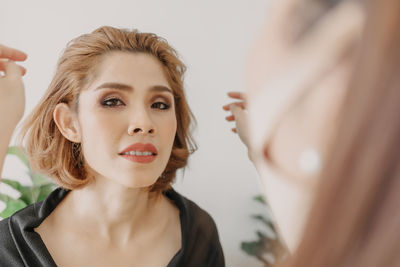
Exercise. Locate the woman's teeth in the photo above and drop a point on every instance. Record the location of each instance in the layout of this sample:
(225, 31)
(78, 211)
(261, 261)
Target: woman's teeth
(138, 153)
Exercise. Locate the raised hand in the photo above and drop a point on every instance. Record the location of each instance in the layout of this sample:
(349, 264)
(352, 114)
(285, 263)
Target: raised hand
(239, 115)
(12, 95)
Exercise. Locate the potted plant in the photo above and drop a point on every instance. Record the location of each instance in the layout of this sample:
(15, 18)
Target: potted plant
(41, 187)
(267, 248)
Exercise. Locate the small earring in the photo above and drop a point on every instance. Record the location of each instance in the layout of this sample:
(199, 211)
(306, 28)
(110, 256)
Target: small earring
(77, 153)
(76, 147)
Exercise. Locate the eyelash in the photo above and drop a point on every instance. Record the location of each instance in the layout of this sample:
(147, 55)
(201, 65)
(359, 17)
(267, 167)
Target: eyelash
(157, 105)
(114, 100)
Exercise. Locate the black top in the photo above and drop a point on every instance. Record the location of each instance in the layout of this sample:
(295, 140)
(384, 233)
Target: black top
(21, 246)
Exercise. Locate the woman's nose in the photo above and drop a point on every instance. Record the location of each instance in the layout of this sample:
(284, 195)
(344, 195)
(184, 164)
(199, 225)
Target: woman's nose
(141, 124)
(140, 130)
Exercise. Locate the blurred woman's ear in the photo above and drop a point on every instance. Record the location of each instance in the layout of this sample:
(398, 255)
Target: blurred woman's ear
(67, 122)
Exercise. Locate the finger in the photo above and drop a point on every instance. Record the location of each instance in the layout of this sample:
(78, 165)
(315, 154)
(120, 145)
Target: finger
(241, 105)
(228, 107)
(12, 70)
(234, 130)
(3, 67)
(237, 95)
(23, 70)
(238, 113)
(230, 118)
(11, 53)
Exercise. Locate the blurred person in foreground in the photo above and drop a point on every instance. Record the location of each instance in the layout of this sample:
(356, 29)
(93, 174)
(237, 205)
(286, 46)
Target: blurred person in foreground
(322, 129)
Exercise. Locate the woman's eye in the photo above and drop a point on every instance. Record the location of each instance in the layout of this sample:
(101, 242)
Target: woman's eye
(160, 105)
(111, 102)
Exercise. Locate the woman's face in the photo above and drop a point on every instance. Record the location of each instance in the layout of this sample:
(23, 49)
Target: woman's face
(129, 103)
(295, 87)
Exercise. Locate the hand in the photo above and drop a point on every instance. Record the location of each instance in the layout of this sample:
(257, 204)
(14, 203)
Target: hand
(12, 95)
(239, 115)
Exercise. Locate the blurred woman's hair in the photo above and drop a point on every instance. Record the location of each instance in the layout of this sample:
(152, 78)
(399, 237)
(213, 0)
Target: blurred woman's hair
(355, 219)
(51, 153)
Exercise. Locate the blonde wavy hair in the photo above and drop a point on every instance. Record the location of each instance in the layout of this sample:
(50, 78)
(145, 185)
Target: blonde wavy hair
(51, 153)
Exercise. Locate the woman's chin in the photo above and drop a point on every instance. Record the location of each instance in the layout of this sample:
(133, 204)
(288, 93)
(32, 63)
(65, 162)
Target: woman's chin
(136, 182)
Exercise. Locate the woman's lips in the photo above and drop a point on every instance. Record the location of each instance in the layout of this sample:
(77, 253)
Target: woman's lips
(140, 159)
(139, 152)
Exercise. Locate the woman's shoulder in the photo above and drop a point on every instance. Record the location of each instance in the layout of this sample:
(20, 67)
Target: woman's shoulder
(33, 214)
(200, 244)
(8, 250)
(190, 211)
(20, 219)
(5, 235)
(19, 242)
(13, 228)
(11, 236)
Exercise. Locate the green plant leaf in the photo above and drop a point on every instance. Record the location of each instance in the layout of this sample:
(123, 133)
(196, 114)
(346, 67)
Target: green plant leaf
(45, 190)
(252, 248)
(264, 243)
(14, 150)
(38, 179)
(255, 249)
(14, 184)
(29, 194)
(4, 197)
(264, 220)
(260, 198)
(12, 205)
(40, 189)
(262, 236)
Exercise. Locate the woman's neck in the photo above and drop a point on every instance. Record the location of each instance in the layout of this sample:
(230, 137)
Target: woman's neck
(113, 211)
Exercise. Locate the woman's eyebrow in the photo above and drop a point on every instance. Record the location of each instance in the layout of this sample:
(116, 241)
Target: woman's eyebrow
(161, 88)
(125, 87)
(118, 86)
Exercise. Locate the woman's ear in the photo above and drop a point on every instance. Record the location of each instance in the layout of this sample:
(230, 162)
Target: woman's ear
(67, 122)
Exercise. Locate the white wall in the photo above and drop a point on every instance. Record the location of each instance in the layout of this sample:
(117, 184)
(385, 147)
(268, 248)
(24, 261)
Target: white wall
(213, 37)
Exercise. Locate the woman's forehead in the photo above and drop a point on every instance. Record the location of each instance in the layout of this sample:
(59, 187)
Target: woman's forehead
(131, 69)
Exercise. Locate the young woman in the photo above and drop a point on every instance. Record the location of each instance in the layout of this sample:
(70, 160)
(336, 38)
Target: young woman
(112, 130)
(324, 100)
